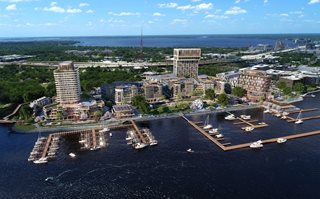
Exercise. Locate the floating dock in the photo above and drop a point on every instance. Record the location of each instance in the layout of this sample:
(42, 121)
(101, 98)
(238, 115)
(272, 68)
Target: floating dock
(226, 147)
(138, 132)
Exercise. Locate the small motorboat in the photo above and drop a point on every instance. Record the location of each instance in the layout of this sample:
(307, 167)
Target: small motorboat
(110, 134)
(190, 151)
(153, 142)
(213, 131)
(82, 141)
(248, 129)
(219, 136)
(281, 140)
(48, 179)
(104, 130)
(313, 95)
(245, 117)
(72, 155)
(230, 117)
(256, 145)
(207, 126)
(284, 117)
(267, 111)
(41, 161)
(139, 145)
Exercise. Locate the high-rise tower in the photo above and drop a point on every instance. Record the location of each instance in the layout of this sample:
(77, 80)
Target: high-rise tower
(67, 83)
(186, 62)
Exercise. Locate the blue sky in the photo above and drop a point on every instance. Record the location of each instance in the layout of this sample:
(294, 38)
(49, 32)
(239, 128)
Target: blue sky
(21, 18)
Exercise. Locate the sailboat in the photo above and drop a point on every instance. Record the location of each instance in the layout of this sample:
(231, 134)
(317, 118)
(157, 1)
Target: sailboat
(206, 124)
(299, 120)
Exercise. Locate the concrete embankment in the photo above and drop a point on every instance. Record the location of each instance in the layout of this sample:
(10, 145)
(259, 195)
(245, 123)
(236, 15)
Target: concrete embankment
(116, 122)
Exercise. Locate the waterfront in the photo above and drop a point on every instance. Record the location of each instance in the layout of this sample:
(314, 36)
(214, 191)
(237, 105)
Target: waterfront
(167, 170)
(220, 41)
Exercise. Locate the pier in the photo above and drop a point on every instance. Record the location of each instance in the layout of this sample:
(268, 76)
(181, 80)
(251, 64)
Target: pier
(138, 132)
(229, 147)
(256, 126)
(46, 147)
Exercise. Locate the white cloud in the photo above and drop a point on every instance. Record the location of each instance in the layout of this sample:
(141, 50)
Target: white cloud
(235, 11)
(313, 2)
(211, 16)
(11, 7)
(90, 11)
(16, 1)
(179, 21)
(202, 6)
(124, 14)
(84, 4)
(265, 1)
(73, 10)
(284, 15)
(158, 14)
(237, 1)
(168, 5)
(195, 0)
(54, 9)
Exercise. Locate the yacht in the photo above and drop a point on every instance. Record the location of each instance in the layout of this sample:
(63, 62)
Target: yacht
(245, 117)
(219, 136)
(139, 145)
(281, 140)
(299, 120)
(213, 131)
(206, 124)
(266, 111)
(230, 117)
(72, 155)
(190, 151)
(41, 161)
(257, 144)
(153, 142)
(248, 129)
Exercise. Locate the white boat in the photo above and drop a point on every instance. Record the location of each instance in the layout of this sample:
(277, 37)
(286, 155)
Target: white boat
(110, 134)
(219, 136)
(245, 117)
(262, 123)
(266, 111)
(230, 117)
(206, 124)
(190, 151)
(278, 115)
(213, 131)
(72, 155)
(153, 142)
(41, 161)
(313, 95)
(281, 140)
(284, 117)
(257, 144)
(48, 179)
(299, 120)
(248, 129)
(285, 113)
(82, 141)
(104, 130)
(139, 145)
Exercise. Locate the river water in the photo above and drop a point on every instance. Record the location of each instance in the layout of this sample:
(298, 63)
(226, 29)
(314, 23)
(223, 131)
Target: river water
(291, 170)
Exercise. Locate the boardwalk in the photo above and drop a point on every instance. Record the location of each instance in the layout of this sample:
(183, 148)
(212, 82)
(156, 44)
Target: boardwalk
(46, 147)
(224, 147)
(137, 130)
(251, 124)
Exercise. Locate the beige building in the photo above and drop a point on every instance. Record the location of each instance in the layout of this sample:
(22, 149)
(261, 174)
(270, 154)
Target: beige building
(124, 94)
(186, 62)
(256, 82)
(153, 92)
(67, 83)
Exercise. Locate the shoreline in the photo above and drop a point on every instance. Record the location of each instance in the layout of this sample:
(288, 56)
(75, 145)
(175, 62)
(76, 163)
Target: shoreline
(137, 119)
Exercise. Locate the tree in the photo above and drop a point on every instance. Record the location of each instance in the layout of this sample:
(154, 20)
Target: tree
(97, 114)
(282, 85)
(223, 99)
(287, 91)
(298, 88)
(210, 94)
(141, 104)
(238, 91)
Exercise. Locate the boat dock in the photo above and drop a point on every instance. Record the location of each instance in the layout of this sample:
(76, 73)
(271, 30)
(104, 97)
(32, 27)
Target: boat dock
(250, 123)
(138, 132)
(229, 147)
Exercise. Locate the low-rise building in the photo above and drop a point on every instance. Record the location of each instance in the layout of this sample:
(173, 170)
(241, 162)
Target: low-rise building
(256, 82)
(122, 111)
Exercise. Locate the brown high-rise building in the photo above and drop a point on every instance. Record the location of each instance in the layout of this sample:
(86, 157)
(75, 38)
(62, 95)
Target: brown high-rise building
(186, 62)
(67, 83)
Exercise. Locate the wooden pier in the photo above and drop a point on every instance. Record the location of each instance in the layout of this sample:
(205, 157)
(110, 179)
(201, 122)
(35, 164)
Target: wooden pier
(224, 146)
(302, 110)
(138, 132)
(303, 119)
(46, 147)
(256, 126)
